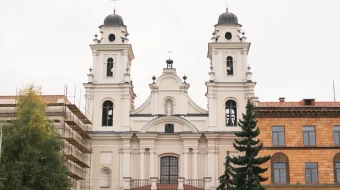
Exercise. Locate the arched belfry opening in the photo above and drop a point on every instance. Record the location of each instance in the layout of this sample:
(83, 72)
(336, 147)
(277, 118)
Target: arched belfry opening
(169, 106)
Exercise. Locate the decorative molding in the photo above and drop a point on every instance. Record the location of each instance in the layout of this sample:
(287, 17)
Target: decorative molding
(337, 157)
(296, 112)
(169, 119)
(299, 147)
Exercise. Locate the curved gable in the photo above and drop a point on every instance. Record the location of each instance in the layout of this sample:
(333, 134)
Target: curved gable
(156, 125)
(194, 108)
(145, 108)
(169, 82)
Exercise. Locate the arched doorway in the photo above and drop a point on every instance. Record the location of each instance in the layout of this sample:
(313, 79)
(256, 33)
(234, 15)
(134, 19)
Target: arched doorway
(169, 170)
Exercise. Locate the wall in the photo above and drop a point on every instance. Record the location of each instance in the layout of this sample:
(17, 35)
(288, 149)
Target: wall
(297, 153)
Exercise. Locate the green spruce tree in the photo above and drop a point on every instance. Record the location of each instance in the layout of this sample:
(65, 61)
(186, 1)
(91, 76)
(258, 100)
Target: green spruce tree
(32, 155)
(225, 179)
(247, 170)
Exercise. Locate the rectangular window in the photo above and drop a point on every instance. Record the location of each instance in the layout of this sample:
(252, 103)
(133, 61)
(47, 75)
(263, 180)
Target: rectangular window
(336, 130)
(337, 171)
(278, 136)
(169, 128)
(309, 136)
(280, 173)
(311, 172)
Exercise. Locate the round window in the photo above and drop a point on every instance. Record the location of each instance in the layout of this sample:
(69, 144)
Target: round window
(112, 37)
(228, 35)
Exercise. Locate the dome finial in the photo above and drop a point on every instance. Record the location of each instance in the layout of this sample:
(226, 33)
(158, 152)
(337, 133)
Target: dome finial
(114, 6)
(226, 4)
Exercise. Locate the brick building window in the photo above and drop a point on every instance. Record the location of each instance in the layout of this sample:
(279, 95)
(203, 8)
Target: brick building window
(278, 136)
(336, 130)
(311, 172)
(336, 161)
(309, 136)
(280, 168)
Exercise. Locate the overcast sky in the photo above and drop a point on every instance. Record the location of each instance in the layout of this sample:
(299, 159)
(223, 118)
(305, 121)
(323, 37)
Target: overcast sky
(294, 52)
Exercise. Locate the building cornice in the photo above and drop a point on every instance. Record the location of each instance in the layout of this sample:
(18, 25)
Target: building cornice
(300, 147)
(297, 112)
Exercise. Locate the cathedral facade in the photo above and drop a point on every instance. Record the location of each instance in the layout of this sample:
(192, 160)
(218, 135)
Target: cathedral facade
(169, 137)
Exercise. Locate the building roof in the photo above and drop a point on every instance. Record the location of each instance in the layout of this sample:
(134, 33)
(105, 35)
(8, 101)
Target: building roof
(47, 99)
(227, 19)
(113, 20)
(298, 104)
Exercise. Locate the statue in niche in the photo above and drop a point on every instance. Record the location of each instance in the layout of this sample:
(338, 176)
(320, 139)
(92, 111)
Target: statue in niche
(168, 109)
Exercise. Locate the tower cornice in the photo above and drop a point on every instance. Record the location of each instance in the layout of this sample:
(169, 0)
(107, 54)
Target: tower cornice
(227, 45)
(115, 47)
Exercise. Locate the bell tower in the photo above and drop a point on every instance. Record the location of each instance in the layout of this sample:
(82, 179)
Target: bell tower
(109, 90)
(230, 83)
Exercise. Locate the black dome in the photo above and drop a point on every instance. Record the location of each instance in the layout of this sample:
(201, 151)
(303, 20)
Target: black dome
(227, 19)
(113, 20)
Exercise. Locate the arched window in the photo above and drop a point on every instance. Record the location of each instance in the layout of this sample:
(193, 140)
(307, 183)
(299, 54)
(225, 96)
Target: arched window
(280, 168)
(230, 66)
(105, 176)
(231, 113)
(107, 119)
(336, 161)
(109, 70)
(169, 128)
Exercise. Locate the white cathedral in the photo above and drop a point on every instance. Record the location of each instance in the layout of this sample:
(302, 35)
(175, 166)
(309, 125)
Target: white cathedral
(169, 139)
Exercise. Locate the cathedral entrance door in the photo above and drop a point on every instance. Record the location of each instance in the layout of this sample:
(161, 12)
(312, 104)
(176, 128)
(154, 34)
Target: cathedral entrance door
(169, 170)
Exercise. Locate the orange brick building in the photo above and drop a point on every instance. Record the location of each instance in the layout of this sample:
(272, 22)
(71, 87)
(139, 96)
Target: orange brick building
(303, 139)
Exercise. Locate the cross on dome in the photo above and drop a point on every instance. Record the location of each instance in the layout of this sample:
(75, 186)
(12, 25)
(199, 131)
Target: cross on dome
(114, 6)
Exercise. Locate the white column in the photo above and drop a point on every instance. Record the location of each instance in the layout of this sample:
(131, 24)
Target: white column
(195, 163)
(142, 163)
(126, 162)
(216, 181)
(121, 181)
(211, 165)
(152, 163)
(126, 110)
(185, 163)
(157, 103)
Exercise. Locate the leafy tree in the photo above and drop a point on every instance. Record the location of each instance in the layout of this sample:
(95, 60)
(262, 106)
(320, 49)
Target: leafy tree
(225, 179)
(32, 150)
(247, 174)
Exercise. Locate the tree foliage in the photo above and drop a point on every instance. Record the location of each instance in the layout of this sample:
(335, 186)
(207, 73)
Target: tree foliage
(32, 150)
(247, 171)
(226, 179)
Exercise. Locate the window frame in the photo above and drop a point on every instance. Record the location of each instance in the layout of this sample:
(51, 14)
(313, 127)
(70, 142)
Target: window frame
(278, 133)
(336, 133)
(172, 130)
(232, 106)
(106, 109)
(169, 170)
(308, 132)
(109, 67)
(108, 178)
(230, 63)
(311, 172)
(336, 160)
(280, 157)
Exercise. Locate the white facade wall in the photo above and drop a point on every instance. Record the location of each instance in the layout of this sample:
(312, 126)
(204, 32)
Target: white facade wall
(134, 145)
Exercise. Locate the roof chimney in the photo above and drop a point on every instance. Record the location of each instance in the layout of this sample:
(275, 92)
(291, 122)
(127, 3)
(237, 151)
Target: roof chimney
(282, 99)
(309, 102)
